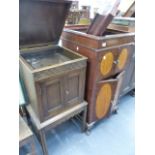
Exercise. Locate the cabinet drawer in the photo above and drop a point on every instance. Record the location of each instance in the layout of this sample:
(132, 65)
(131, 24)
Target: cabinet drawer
(113, 60)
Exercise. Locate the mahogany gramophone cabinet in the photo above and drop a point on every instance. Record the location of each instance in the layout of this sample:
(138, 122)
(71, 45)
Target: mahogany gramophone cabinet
(108, 56)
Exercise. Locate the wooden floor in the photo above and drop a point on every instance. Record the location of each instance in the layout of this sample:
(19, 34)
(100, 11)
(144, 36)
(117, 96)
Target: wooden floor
(113, 136)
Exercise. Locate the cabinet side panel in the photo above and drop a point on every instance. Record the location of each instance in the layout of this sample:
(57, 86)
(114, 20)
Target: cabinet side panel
(30, 87)
(128, 80)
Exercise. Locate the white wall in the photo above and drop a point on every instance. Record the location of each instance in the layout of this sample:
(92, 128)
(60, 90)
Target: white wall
(104, 4)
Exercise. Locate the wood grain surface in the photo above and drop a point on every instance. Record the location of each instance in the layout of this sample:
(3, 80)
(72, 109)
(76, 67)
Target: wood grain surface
(122, 58)
(106, 63)
(103, 100)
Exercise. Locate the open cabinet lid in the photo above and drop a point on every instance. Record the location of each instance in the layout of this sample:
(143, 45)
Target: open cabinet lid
(41, 21)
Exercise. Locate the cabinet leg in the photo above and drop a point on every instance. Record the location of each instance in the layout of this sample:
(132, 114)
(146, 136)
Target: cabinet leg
(88, 132)
(89, 127)
(84, 119)
(43, 142)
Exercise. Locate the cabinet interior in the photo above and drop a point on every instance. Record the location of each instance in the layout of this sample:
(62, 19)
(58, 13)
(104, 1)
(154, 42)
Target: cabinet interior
(48, 57)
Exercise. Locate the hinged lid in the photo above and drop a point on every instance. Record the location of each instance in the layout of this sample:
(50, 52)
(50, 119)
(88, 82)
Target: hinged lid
(41, 21)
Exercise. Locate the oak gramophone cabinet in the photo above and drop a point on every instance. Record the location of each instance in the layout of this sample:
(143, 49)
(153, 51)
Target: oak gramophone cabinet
(54, 76)
(108, 56)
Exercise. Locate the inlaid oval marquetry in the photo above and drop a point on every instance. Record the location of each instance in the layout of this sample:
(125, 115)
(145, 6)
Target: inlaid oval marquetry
(122, 58)
(103, 101)
(106, 63)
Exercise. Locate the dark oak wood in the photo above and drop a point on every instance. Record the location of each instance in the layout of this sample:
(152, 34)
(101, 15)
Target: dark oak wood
(52, 87)
(54, 76)
(108, 56)
(41, 127)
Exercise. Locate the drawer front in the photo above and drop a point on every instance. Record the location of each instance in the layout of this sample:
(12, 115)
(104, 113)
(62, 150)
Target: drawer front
(59, 93)
(113, 60)
(106, 97)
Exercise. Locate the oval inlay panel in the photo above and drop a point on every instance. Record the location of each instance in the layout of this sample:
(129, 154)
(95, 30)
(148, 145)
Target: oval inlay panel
(122, 58)
(103, 100)
(106, 63)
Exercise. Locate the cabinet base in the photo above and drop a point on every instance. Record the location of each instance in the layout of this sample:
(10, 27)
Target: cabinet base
(40, 128)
